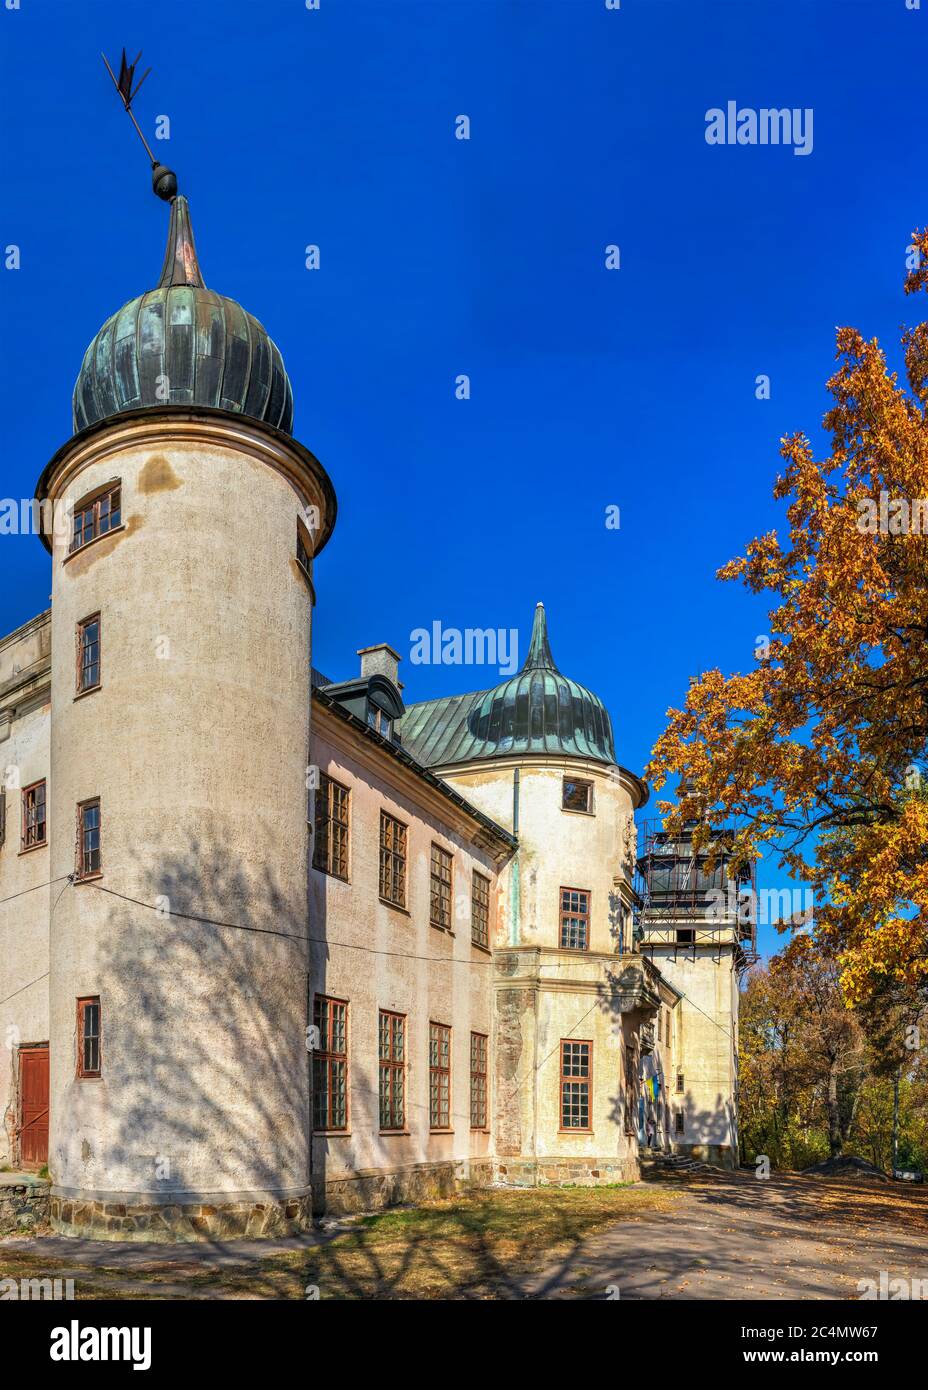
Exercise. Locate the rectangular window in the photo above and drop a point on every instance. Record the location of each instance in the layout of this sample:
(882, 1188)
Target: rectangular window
(392, 1070)
(478, 1081)
(679, 1125)
(89, 859)
(330, 1063)
(88, 654)
(480, 911)
(576, 1075)
(440, 895)
(392, 860)
(575, 919)
(95, 516)
(439, 1076)
(577, 795)
(302, 554)
(686, 936)
(330, 832)
(88, 1037)
(34, 820)
(681, 1083)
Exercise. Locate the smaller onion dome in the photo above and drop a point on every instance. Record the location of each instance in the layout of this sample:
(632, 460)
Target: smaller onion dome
(182, 344)
(541, 711)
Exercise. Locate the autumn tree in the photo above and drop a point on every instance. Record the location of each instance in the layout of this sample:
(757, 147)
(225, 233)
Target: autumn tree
(817, 754)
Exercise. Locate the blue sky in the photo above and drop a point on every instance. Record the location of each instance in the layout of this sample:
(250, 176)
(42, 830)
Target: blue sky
(589, 387)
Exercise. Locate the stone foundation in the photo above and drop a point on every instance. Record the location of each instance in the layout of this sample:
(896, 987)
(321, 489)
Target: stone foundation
(375, 1188)
(564, 1172)
(24, 1203)
(95, 1219)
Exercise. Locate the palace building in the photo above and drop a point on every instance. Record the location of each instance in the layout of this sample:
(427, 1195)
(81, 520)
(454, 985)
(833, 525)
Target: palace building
(274, 944)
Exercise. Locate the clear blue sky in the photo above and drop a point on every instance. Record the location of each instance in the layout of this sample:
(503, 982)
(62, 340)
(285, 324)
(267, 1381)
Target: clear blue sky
(589, 387)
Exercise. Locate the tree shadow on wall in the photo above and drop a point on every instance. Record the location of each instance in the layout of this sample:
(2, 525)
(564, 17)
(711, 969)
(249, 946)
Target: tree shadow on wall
(203, 995)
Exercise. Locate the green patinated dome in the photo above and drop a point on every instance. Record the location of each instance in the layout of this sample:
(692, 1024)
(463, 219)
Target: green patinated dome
(537, 711)
(182, 344)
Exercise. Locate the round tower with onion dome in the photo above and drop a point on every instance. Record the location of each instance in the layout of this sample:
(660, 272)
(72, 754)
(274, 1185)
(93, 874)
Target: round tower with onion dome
(187, 519)
(573, 995)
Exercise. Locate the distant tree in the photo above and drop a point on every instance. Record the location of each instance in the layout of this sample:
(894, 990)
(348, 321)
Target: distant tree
(819, 752)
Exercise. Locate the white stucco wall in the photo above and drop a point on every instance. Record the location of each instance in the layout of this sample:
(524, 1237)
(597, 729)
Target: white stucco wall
(377, 956)
(24, 894)
(197, 745)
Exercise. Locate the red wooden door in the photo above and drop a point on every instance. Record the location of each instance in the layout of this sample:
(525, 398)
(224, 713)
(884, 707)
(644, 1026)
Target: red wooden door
(33, 1092)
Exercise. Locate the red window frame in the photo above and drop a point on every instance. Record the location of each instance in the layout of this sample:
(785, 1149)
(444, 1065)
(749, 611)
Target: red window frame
(441, 888)
(391, 1038)
(96, 515)
(439, 1076)
(479, 1080)
(575, 919)
(332, 828)
(89, 1039)
(393, 849)
(576, 1095)
(34, 816)
(89, 854)
(480, 910)
(83, 647)
(330, 1065)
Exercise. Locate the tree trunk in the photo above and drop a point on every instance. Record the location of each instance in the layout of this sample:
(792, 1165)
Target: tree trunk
(835, 1137)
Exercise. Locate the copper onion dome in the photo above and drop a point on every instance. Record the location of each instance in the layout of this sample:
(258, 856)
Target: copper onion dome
(182, 344)
(539, 710)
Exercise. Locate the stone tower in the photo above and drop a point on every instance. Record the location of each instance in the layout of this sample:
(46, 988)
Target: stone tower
(697, 926)
(186, 520)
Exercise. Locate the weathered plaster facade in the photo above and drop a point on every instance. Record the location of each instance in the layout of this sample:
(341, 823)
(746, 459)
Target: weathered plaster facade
(209, 935)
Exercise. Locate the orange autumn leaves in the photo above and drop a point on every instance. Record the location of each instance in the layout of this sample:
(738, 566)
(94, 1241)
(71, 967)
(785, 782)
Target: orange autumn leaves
(817, 753)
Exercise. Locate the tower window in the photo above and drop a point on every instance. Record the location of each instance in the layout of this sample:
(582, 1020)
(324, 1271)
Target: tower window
(330, 1064)
(302, 553)
(392, 1070)
(88, 654)
(478, 1080)
(576, 1077)
(440, 892)
(88, 1037)
(686, 936)
(480, 911)
(575, 919)
(392, 860)
(330, 831)
(96, 515)
(34, 816)
(439, 1076)
(89, 861)
(681, 1083)
(679, 1123)
(577, 795)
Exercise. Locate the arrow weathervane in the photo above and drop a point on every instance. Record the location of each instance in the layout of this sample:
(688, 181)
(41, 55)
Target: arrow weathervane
(163, 180)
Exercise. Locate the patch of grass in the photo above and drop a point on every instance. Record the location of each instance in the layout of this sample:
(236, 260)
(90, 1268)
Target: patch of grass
(470, 1247)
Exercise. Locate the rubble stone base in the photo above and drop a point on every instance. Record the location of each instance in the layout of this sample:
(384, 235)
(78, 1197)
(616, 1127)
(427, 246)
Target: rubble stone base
(117, 1220)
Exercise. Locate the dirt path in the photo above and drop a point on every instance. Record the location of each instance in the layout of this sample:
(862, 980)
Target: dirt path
(733, 1236)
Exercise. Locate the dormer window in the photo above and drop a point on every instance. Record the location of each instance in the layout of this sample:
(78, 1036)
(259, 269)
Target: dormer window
(380, 720)
(95, 515)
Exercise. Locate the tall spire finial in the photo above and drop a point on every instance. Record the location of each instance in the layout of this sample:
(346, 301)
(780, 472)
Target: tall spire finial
(181, 266)
(163, 180)
(539, 649)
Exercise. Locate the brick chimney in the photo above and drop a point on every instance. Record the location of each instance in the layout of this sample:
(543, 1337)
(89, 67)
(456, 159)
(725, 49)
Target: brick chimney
(380, 660)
